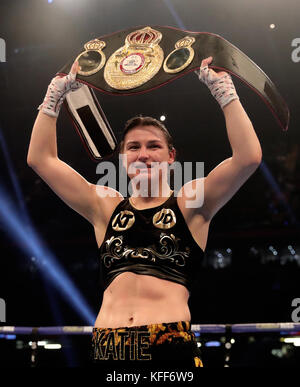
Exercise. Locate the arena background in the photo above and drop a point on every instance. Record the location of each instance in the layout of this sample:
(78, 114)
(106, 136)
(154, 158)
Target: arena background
(252, 266)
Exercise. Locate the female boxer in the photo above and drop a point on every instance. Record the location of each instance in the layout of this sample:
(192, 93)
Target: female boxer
(150, 246)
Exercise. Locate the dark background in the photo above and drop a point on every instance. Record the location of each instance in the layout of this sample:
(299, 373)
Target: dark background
(248, 284)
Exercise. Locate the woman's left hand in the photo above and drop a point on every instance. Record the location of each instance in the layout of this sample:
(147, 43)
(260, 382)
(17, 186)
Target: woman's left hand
(220, 84)
(206, 62)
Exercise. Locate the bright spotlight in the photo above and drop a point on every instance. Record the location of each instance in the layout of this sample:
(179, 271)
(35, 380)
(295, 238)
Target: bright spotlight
(27, 240)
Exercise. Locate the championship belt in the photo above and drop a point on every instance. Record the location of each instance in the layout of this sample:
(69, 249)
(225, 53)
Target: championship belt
(139, 60)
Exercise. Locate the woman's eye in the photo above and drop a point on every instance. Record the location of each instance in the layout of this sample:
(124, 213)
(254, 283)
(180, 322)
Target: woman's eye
(133, 147)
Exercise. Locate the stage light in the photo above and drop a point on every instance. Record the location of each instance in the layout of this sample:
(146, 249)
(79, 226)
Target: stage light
(162, 118)
(26, 238)
(228, 345)
(52, 346)
(21, 230)
(292, 340)
(219, 259)
(175, 14)
(276, 189)
(289, 255)
(274, 252)
(14, 180)
(212, 344)
(272, 26)
(42, 343)
(293, 252)
(10, 337)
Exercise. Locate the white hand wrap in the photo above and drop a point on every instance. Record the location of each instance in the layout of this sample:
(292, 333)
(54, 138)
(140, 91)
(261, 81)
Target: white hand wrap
(222, 88)
(56, 93)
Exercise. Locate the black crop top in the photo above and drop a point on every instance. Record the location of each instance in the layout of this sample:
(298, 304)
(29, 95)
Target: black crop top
(154, 241)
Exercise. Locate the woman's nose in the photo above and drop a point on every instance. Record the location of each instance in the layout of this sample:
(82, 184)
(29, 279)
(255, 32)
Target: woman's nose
(143, 153)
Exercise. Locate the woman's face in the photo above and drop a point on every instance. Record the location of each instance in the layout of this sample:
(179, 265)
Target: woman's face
(144, 145)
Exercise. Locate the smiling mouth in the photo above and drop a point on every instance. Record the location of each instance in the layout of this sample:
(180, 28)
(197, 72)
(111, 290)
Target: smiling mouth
(142, 168)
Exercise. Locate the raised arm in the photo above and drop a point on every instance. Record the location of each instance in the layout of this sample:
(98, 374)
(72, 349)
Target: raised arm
(227, 177)
(42, 157)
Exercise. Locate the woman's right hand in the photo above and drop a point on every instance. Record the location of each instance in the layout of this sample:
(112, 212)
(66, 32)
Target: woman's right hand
(58, 89)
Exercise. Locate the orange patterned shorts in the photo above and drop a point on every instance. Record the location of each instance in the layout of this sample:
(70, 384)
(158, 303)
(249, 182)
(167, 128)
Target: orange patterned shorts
(171, 345)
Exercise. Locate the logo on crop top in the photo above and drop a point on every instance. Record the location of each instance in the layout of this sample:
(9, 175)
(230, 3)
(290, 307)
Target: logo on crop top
(164, 219)
(123, 220)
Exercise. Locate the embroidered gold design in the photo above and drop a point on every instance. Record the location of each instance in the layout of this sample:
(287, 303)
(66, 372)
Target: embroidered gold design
(114, 250)
(123, 220)
(164, 219)
(137, 62)
(167, 249)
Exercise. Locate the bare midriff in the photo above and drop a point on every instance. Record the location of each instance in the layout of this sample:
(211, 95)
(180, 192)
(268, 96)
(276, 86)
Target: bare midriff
(135, 299)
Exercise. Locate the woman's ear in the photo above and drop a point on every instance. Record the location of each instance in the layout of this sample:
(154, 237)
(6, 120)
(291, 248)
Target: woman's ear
(172, 155)
(123, 160)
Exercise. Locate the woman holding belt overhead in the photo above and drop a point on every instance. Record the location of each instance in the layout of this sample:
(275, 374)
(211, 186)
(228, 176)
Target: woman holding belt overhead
(150, 245)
